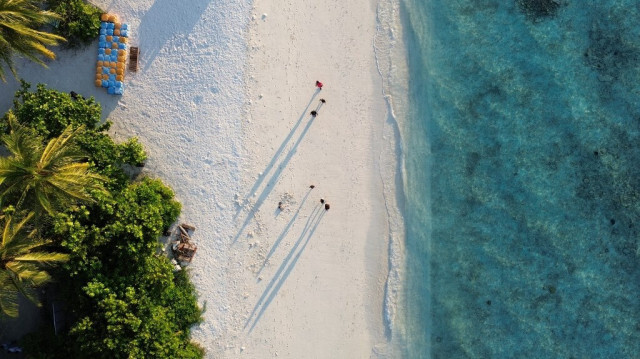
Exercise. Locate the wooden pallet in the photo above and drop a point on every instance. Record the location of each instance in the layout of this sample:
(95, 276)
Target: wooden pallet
(134, 53)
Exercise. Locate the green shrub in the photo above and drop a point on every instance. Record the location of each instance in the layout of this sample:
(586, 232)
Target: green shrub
(132, 152)
(80, 21)
(49, 111)
(123, 299)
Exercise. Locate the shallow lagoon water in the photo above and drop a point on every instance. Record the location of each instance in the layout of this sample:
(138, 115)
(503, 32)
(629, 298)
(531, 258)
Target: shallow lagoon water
(522, 160)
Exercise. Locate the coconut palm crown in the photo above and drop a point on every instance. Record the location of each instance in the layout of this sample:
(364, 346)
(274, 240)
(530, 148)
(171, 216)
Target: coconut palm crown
(51, 177)
(19, 21)
(22, 257)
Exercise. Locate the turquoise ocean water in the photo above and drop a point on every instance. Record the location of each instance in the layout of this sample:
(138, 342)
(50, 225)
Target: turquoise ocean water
(522, 155)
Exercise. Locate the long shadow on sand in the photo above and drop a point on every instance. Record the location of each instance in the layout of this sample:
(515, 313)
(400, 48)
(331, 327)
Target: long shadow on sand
(284, 233)
(276, 174)
(285, 268)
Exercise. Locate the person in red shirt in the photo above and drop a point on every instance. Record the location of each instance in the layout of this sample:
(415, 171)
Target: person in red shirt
(319, 85)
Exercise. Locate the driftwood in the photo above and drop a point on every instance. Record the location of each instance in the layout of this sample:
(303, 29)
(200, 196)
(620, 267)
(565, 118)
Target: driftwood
(187, 227)
(184, 250)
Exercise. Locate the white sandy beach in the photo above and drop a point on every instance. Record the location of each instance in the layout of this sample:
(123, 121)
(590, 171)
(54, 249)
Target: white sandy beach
(226, 123)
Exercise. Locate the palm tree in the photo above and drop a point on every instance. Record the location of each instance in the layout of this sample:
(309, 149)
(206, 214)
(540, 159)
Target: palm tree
(48, 177)
(19, 20)
(22, 256)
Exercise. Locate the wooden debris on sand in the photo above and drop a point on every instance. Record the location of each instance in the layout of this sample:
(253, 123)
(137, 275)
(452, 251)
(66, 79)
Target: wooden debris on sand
(183, 249)
(133, 58)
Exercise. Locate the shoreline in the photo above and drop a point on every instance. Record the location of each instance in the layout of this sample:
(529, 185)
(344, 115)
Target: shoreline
(274, 283)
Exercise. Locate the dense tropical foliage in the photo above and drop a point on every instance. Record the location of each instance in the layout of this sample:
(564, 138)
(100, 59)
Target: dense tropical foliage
(20, 21)
(123, 296)
(51, 177)
(79, 21)
(23, 255)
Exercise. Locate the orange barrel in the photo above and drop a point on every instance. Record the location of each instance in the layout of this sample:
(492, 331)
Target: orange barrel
(107, 51)
(113, 18)
(114, 45)
(109, 38)
(112, 71)
(119, 71)
(120, 77)
(112, 64)
(104, 17)
(105, 77)
(123, 40)
(99, 63)
(120, 65)
(116, 32)
(98, 83)
(116, 26)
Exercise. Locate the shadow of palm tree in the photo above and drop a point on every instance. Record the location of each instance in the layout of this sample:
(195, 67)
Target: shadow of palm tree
(166, 19)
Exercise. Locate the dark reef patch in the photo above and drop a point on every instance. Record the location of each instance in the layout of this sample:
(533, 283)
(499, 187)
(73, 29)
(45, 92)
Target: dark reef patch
(537, 10)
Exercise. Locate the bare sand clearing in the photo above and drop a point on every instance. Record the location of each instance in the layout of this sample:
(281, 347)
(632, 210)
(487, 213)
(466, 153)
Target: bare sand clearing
(227, 124)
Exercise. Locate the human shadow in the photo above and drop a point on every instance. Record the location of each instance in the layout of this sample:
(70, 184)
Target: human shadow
(276, 156)
(285, 268)
(166, 19)
(284, 233)
(276, 174)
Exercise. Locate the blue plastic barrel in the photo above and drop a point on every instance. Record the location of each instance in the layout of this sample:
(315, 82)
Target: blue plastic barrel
(105, 83)
(124, 27)
(109, 32)
(100, 51)
(105, 70)
(122, 46)
(111, 90)
(112, 80)
(110, 25)
(103, 31)
(116, 39)
(118, 83)
(101, 57)
(102, 38)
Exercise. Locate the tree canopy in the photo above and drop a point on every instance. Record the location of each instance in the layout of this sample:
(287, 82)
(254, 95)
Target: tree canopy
(19, 34)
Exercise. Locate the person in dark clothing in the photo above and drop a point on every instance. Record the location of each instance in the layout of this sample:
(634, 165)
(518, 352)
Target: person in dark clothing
(314, 113)
(326, 206)
(323, 100)
(312, 186)
(322, 200)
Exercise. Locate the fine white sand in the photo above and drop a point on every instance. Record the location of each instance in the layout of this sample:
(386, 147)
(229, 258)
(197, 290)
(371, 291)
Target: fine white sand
(221, 103)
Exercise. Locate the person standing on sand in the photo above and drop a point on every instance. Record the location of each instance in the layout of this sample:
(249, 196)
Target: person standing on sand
(322, 200)
(319, 85)
(327, 206)
(323, 101)
(314, 113)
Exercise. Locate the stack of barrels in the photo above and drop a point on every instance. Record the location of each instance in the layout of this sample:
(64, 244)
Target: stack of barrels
(112, 54)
